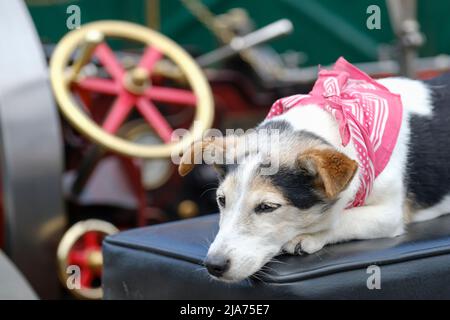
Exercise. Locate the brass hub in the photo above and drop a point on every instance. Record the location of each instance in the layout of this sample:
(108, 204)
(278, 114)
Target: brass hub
(137, 80)
(95, 259)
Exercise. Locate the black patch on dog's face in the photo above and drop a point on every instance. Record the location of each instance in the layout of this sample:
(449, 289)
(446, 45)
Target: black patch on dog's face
(280, 125)
(297, 186)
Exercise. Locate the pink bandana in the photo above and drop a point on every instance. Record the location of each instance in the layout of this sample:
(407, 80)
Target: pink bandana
(369, 116)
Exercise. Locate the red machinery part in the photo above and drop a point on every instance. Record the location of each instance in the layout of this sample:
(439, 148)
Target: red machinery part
(85, 254)
(80, 257)
(126, 100)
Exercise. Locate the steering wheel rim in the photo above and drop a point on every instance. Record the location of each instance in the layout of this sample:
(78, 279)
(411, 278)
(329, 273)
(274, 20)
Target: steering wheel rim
(91, 251)
(84, 124)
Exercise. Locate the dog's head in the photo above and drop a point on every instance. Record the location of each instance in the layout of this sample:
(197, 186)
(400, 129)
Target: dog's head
(259, 211)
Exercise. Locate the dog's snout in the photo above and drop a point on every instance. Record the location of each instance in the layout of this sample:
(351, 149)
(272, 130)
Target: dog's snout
(217, 265)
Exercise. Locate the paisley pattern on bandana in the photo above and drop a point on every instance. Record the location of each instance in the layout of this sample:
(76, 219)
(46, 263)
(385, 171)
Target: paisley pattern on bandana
(368, 114)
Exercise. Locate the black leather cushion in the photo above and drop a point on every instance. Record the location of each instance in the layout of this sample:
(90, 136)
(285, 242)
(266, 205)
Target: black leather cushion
(165, 262)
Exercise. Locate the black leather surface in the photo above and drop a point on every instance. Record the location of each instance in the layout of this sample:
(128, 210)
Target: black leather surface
(165, 262)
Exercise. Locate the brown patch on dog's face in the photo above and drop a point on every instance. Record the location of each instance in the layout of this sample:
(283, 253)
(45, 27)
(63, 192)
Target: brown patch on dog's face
(334, 169)
(210, 145)
(195, 153)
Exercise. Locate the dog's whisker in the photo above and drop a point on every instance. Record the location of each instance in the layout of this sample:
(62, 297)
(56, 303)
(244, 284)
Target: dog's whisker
(274, 260)
(254, 276)
(268, 268)
(260, 276)
(207, 241)
(207, 190)
(211, 183)
(249, 281)
(201, 268)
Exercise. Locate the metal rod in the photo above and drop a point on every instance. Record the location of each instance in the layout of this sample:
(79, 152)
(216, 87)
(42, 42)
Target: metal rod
(153, 14)
(93, 38)
(403, 16)
(272, 31)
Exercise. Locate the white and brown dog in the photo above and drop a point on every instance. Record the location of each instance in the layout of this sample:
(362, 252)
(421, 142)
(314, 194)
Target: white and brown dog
(389, 172)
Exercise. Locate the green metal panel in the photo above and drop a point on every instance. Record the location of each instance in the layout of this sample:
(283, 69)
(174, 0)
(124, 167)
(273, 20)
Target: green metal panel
(324, 29)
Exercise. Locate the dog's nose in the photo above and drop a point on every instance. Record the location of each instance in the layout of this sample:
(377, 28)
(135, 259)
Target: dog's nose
(217, 265)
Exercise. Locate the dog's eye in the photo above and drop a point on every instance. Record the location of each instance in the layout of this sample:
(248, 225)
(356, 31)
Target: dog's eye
(266, 207)
(221, 201)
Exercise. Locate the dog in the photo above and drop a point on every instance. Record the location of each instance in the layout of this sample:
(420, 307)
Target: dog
(316, 196)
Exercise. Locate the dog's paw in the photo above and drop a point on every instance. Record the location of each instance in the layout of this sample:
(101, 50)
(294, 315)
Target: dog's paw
(294, 246)
(311, 244)
(304, 244)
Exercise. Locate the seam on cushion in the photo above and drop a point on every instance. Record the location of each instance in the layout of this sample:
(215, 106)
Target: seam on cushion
(406, 255)
(314, 273)
(163, 252)
(336, 268)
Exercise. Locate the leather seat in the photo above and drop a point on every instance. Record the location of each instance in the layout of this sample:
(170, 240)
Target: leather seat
(165, 262)
(13, 284)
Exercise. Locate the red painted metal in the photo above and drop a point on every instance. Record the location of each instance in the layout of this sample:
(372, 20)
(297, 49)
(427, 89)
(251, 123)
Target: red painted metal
(119, 112)
(133, 173)
(99, 85)
(126, 101)
(171, 95)
(155, 119)
(79, 255)
(109, 61)
(150, 57)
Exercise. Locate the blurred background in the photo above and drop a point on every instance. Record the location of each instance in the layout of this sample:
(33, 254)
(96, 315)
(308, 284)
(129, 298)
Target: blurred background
(323, 29)
(87, 111)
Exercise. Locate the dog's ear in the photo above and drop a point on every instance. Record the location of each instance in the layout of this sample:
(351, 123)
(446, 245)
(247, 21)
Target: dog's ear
(193, 155)
(333, 170)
